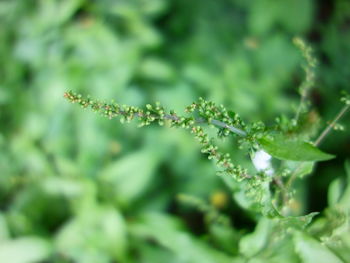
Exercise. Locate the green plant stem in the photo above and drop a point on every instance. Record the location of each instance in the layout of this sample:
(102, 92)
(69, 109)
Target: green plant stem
(214, 122)
(293, 176)
(331, 125)
(318, 141)
(284, 193)
(231, 128)
(208, 112)
(218, 123)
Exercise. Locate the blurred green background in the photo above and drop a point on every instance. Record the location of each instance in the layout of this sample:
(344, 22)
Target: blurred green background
(75, 187)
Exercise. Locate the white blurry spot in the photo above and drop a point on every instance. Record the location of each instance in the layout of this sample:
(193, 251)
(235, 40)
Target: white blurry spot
(261, 161)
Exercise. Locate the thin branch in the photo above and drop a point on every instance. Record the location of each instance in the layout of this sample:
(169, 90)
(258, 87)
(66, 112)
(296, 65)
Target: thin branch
(331, 125)
(218, 123)
(279, 183)
(231, 128)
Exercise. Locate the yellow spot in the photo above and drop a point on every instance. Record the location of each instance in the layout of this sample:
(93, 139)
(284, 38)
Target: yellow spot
(251, 42)
(115, 147)
(295, 206)
(219, 199)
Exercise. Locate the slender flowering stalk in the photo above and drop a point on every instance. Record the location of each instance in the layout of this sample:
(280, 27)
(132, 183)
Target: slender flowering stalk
(228, 123)
(113, 110)
(310, 75)
(198, 114)
(208, 112)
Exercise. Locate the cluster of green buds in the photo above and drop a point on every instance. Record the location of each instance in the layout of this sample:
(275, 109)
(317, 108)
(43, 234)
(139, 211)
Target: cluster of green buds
(222, 160)
(219, 116)
(226, 122)
(306, 50)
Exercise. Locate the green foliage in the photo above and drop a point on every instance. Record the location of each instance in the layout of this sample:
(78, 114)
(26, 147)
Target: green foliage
(209, 113)
(75, 187)
(166, 232)
(99, 231)
(33, 249)
(255, 135)
(294, 150)
(310, 250)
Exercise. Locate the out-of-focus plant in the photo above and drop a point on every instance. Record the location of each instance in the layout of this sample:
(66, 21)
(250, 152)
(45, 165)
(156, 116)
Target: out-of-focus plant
(75, 187)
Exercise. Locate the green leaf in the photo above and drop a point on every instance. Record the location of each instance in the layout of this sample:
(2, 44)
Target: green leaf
(310, 250)
(265, 14)
(335, 191)
(339, 191)
(305, 169)
(4, 231)
(293, 150)
(97, 234)
(168, 232)
(127, 178)
(300, 169)
(344, 201)
(253, 243)
(156, 69)
(347, 170)
(299, 222)
(224, 237)
(24, 250)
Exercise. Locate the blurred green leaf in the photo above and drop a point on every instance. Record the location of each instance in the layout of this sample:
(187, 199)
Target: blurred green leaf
(339, 191)
(4, 231)
(167, 232)
(251, 244)
(335, 191)
(294, 150)
(156, 69)
(61, 11)
(57, 162)
(266, 14)
(310, 250)
(225, 237)
(304, 169)
(128, 178)
(96, 234)
(297, 222)
(45, 205)
(344, 201)
(153, 7)
(24, 250)
(347, 169)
